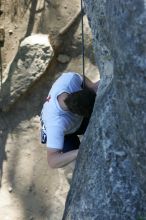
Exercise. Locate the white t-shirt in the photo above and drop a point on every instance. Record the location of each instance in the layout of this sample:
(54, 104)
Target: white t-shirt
(57, 121)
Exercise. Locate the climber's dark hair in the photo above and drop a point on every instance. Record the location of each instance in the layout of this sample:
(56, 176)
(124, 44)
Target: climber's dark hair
(81, 102)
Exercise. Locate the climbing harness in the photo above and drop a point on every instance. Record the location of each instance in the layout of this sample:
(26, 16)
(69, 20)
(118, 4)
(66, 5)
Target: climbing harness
(83, 49)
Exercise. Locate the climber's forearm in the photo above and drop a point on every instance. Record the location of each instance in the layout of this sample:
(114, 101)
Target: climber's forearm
(58, 159)
(93, 86)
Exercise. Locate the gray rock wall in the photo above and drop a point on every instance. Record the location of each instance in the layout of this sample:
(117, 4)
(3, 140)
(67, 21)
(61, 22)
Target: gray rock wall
(109, 181)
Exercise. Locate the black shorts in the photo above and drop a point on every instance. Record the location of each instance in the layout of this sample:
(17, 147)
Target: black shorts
(72, 141)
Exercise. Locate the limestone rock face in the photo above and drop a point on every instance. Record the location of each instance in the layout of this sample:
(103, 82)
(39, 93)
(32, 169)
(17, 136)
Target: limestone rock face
(33, 57)
(109, 182)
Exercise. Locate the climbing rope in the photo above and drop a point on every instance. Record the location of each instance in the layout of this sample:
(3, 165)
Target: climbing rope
(2, 41)
(2, 38)
(83, 49)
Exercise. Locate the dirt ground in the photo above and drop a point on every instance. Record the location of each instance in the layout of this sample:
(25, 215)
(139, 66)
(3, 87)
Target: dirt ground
(29, 189)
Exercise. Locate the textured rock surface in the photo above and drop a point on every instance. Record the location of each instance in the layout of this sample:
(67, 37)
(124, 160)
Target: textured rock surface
(109, 182)
(33, 57)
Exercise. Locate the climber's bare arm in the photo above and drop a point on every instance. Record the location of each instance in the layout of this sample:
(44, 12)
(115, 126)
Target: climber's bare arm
(57, 159)
(93, 86)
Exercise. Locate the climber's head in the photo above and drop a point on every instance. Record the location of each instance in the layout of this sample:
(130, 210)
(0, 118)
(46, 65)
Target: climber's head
(81, 102)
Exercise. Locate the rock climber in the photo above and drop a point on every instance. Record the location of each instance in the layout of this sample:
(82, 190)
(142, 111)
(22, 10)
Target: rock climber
(65, 115)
